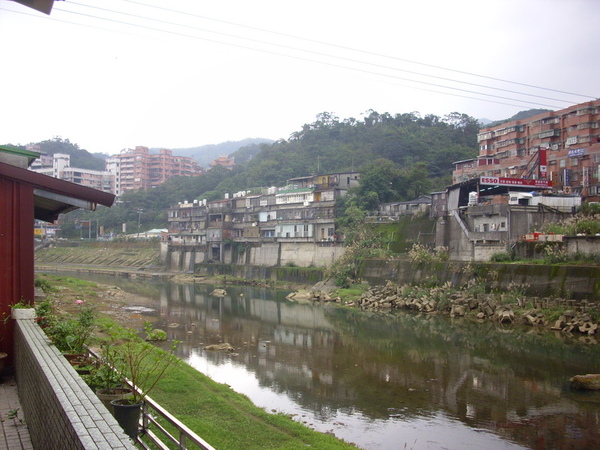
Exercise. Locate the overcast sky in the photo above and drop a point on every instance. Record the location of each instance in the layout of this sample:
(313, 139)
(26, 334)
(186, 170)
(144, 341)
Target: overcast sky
(114, 74)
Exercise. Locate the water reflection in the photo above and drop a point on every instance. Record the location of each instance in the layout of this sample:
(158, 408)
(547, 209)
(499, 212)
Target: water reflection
(389, 381)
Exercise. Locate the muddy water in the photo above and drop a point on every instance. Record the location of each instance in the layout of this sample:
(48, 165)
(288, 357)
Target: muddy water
(386, 382)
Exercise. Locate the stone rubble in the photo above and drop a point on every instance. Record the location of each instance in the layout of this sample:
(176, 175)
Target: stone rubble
(497, 307)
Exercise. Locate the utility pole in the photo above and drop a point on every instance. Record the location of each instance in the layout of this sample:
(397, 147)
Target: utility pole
(140, 211)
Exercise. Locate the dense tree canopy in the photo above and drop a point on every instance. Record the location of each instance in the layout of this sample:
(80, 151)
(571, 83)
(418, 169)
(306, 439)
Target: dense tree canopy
(400, 156)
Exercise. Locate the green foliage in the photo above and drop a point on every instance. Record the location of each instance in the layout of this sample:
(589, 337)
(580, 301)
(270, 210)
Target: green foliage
(72, 335)
(589, 209)
(360, 243)
(421, 254)
(142, 363)
(79, 157)
(585, 222)
(103, 375)
(400, 157)
(502, 257)
(589, 227)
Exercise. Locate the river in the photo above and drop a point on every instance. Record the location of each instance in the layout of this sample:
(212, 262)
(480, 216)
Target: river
(385, 381)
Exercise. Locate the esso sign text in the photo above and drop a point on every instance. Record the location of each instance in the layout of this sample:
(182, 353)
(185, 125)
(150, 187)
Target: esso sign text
(490, 180)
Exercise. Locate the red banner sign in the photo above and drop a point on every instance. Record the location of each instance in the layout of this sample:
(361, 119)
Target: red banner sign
(500, 181)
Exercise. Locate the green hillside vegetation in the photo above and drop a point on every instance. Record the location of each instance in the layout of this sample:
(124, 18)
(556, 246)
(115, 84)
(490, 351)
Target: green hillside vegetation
(79, 157)
(400, 156)
(204, 154)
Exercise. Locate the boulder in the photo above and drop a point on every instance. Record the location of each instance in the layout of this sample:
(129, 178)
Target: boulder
(591, 381)
(219, 347)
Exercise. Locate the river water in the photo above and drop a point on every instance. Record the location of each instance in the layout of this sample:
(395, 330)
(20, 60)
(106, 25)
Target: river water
(385, 381)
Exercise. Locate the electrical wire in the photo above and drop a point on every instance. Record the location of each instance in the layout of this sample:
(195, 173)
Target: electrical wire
(380, 66)
(316, 53)
(360, 51)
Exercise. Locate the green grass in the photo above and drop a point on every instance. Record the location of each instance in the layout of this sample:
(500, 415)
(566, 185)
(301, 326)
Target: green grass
(226, 419)
(351, 294)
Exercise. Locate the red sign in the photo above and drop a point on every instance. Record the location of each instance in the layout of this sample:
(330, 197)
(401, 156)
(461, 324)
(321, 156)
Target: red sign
(543, 163)
(500, 181)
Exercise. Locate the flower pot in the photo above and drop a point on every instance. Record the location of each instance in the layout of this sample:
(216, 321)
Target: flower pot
(108, 395)
(128, 416)
(23, 313)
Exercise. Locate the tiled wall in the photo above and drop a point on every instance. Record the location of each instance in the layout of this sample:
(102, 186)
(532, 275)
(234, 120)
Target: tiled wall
(60, 410)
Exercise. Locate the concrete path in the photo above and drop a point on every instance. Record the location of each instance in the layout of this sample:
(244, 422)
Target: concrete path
(15, 435)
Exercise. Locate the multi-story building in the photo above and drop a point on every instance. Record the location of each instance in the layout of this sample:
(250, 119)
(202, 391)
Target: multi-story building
(562, 147)
(300, 212)
(137, 168)
(59, 166)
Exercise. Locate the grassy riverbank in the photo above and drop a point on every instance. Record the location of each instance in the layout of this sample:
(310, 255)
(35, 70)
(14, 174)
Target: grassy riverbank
(222, 417)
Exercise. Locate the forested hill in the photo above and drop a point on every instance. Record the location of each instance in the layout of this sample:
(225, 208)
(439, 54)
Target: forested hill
(400, 156)
(330, 145)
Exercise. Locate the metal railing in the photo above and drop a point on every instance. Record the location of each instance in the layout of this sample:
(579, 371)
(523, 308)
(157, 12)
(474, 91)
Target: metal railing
(150, 411)
(184, 438)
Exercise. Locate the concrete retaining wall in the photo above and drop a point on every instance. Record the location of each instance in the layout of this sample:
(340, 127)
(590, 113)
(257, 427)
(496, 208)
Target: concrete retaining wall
(572, 282)
(270, 254)
(61, 411)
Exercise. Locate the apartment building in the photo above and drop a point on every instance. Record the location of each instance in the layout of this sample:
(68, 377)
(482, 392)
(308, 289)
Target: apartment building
(302, 212)
(59, 166)
(562, 147)
(137, 168)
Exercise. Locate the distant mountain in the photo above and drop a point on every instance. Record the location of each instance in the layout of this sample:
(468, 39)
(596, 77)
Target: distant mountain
(205, 154)
(521, 115)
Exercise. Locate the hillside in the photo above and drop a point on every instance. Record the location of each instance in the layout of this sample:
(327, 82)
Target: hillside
(401, 156)
(204, 154)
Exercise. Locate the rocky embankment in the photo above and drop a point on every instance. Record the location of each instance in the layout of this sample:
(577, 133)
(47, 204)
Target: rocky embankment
(566, 316)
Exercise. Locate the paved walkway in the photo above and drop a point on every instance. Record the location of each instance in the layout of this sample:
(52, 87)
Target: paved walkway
(14, 435)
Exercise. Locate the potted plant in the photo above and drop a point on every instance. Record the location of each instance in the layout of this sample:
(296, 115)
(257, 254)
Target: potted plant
(72, 336)
(143, 365)
(22, 310)
(44, 312)
(105, 380)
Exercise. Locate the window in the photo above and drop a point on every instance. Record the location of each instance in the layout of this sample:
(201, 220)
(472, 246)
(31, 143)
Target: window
(562, 163)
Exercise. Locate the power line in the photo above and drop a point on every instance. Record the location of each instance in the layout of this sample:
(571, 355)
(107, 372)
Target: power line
(380, 66)
(362, 51)
(315, 61)
(296, 57)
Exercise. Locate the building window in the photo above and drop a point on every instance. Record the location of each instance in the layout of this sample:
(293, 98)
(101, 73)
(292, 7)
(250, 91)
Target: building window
(562, 163)
(573, 161)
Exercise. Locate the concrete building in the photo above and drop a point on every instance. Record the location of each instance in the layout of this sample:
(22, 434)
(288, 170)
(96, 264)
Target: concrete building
(562, 147)
(302, 212)
(59, 166)
(137, 168)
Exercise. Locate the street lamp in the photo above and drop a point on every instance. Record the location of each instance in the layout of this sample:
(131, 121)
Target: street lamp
(139, 211)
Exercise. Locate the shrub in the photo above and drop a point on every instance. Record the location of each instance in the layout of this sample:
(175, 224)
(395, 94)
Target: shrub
(501, 257)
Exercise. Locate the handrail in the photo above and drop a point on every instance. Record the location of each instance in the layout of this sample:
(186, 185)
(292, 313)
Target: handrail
(185, 434)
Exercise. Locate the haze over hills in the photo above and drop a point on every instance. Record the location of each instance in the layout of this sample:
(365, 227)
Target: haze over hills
(204, 154)
(244, 150)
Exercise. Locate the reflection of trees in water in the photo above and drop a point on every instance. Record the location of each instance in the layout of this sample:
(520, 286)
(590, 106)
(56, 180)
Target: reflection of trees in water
(399, 366)
(484, 374)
